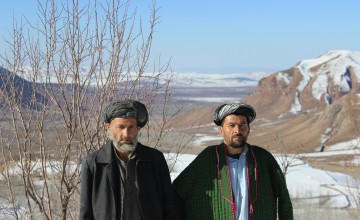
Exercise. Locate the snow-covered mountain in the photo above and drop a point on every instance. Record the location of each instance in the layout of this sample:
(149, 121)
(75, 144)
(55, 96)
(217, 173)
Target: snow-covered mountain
(310, 85)
(206, 80)
(339, 68)
(316, 102)
(181, 79)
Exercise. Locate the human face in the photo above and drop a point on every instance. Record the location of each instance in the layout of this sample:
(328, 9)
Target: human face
(235, 131)
(123, 133)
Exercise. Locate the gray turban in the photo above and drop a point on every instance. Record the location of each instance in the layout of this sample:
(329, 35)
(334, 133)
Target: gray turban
(234, 108)
(126, 109)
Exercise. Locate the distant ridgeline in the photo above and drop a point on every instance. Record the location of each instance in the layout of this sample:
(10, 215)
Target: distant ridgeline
(18, 90)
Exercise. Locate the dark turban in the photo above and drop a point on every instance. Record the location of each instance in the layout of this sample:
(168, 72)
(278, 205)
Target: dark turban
(126, 109)
(234, 109)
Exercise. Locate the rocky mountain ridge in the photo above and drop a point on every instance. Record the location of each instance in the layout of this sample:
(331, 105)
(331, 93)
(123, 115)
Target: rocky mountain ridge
(309, 86)
(312, 104)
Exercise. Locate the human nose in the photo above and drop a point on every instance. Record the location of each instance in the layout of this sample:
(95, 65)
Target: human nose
(236, 129)
(126, 132)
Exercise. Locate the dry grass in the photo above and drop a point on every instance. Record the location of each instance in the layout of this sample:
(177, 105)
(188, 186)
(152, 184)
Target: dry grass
(340, 164)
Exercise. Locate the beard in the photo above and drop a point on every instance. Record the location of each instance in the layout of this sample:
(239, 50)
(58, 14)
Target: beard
(125, 148)
(238, 144)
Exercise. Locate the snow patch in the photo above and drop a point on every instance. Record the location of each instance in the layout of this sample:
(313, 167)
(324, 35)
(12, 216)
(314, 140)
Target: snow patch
(320, 86)
(335, 66)
(350, 145)
(203, 138)
(283, 77)
(296, 106)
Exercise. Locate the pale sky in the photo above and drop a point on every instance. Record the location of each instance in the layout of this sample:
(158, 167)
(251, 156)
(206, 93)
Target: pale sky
(237, 35)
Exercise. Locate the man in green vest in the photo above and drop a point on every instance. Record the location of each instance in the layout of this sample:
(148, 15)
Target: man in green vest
(233, 180)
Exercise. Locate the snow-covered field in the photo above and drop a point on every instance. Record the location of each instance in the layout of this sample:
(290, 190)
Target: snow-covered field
(335, 193)
(333, 190)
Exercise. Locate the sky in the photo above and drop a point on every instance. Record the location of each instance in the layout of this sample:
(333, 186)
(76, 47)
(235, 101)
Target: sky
(255, 35)
(237, 35)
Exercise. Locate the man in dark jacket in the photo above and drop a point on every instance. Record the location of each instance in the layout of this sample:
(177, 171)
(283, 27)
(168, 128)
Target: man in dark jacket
(125, 180)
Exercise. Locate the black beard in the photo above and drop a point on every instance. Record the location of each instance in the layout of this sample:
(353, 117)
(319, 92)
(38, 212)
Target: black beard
(239, 144)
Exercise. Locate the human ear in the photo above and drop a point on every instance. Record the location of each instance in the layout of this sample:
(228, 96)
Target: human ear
(221, 130)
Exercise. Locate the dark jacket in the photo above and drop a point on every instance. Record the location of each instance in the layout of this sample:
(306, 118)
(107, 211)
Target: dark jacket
(100, 189)
(204, 189)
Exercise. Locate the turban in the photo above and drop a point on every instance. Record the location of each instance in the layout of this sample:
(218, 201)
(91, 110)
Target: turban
(234, 108)
(126, 109)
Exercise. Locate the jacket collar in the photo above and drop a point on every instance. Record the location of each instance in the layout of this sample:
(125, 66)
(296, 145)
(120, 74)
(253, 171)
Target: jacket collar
(105, 154)
(142, 152)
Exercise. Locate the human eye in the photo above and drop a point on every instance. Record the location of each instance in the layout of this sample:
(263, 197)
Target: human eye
(243, 126)
(231, 125)
(132, 127)
(121, 127)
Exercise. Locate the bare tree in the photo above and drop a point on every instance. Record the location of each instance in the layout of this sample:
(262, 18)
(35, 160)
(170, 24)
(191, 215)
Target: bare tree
(352, 165)
(58, 76)
(287, 157)
(353, 189)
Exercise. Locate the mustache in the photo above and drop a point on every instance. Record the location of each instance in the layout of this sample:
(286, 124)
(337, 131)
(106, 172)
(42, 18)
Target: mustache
(238, 135)
(128, 139)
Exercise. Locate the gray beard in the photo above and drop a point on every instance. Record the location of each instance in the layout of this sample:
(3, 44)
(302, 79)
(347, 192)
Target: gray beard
(125, 148)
